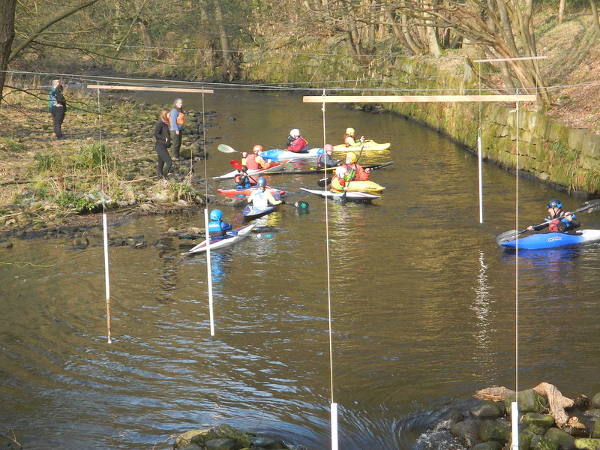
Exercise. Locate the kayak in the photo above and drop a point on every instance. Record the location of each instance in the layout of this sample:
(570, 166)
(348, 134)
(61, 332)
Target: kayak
(353, 196)
(367, 146)
(224, 241)
(552, 240)
(364, 186)
(251, 213)
(275, 167)
(277, 154)
(244, 193)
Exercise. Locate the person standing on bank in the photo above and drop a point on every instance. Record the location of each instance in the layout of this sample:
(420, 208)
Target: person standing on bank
(57, 105)
(163, 141)
(176, 122)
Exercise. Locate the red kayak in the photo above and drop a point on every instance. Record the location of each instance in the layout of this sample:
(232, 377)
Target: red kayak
(244, 193)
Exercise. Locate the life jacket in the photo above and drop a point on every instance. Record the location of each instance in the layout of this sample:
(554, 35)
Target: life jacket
(298, 145)
(556, 226)
(242, 181)
(349, 141)
(260, 199)
(180, 118)
(215, 228)
(251, 162)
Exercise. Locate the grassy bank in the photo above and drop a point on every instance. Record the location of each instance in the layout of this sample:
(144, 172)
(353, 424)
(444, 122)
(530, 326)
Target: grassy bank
(106, 158)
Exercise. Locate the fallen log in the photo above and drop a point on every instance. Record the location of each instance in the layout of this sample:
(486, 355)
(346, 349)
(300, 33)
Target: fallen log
(556, 401)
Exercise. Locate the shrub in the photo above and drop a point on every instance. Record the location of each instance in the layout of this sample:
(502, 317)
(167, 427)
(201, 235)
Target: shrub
(93, 156)
(44, 162)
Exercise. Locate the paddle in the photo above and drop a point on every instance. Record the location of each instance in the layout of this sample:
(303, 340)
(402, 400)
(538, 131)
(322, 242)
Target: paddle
(321, 182)
(589, 206)
(226, 149)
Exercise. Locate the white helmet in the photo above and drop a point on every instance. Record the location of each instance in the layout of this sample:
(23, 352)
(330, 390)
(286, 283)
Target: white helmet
(295, 133)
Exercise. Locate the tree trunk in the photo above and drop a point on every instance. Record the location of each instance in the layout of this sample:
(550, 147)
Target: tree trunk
(561, 11)
(432, 37)
(7, 34)
(595, 16)
(228, 69)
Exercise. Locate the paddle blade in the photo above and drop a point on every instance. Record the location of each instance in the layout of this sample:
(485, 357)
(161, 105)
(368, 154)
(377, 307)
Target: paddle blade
(592, 205)
(510, 235)
(236, 164)
(225, 148)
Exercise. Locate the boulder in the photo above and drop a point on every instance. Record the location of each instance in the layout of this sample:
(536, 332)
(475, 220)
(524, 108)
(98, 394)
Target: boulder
(559, 439)
(466, 431)
(185, 439)
(596, 400)
(540, 420)
(266, 443)
(492, 445)
(494, 430)
(529, 401)
(220, 444)
(488, 410)
(596, 431)
(588, 444)
(540, 443)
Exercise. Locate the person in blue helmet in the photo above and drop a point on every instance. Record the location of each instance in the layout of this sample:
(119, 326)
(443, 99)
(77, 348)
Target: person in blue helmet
(216, 226)
(261, 198)
(558, 221)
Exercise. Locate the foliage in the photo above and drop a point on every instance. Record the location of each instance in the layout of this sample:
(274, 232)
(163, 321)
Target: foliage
(11, 145)
(44, 162)
(81, 203)
(181, 191)
(94, 156)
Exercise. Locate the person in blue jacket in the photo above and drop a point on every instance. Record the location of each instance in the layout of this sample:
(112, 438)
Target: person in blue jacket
(558, 221)
(176, 122)
(216, 226)
(57, 105)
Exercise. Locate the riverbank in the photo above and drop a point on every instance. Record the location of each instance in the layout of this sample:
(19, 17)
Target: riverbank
(105, 158)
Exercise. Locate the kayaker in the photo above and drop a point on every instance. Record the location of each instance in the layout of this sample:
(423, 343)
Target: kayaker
(558, 221)
(350, 171)
(350, 139)
(176, 121)
(254, 161)
(297, 143)
(216, 226)
(243, 180)
(261, 198)
(324, 158)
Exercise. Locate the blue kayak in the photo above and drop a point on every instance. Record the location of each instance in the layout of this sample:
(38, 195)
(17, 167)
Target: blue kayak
(251, 213)
(277, 154)
(552, 240)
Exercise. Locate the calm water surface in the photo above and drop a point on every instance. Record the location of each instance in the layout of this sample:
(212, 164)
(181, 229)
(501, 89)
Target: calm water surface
(423, 306)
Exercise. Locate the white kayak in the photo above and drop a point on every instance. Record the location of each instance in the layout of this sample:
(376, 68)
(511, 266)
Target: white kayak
(221, 242)
(277, 168)
(280, 155)
(349, 195)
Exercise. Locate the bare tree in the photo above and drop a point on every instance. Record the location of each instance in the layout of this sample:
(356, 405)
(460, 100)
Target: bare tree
(595, 15)
(561, 11)
(7, 34)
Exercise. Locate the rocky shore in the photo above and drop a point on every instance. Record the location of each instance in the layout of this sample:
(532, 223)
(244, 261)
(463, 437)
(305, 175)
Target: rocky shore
(225, 437)
(547, 420)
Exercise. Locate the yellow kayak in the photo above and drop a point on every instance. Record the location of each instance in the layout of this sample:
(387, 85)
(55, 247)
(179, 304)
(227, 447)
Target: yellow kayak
(364, 186)
(369, 146)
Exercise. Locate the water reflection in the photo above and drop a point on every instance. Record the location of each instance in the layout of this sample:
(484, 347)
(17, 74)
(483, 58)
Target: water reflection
(482, 307)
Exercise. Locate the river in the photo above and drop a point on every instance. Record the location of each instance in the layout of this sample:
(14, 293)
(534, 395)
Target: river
(423, 305)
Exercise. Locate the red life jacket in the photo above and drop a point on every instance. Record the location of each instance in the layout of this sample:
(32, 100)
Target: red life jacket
(251, 163)
(298, 145)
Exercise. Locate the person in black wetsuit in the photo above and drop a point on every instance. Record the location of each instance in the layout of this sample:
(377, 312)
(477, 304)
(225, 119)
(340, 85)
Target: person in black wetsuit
(558, 221)
(163, 141)
(57, 105)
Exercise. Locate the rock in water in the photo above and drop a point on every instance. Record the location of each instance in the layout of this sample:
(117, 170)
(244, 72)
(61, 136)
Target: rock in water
(494, 430)
(488, 410)
(596, 400)
(559, 439)
(467, 431)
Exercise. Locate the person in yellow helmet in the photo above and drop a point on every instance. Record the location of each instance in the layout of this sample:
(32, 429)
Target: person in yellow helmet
(350, 171)
(350, 139)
